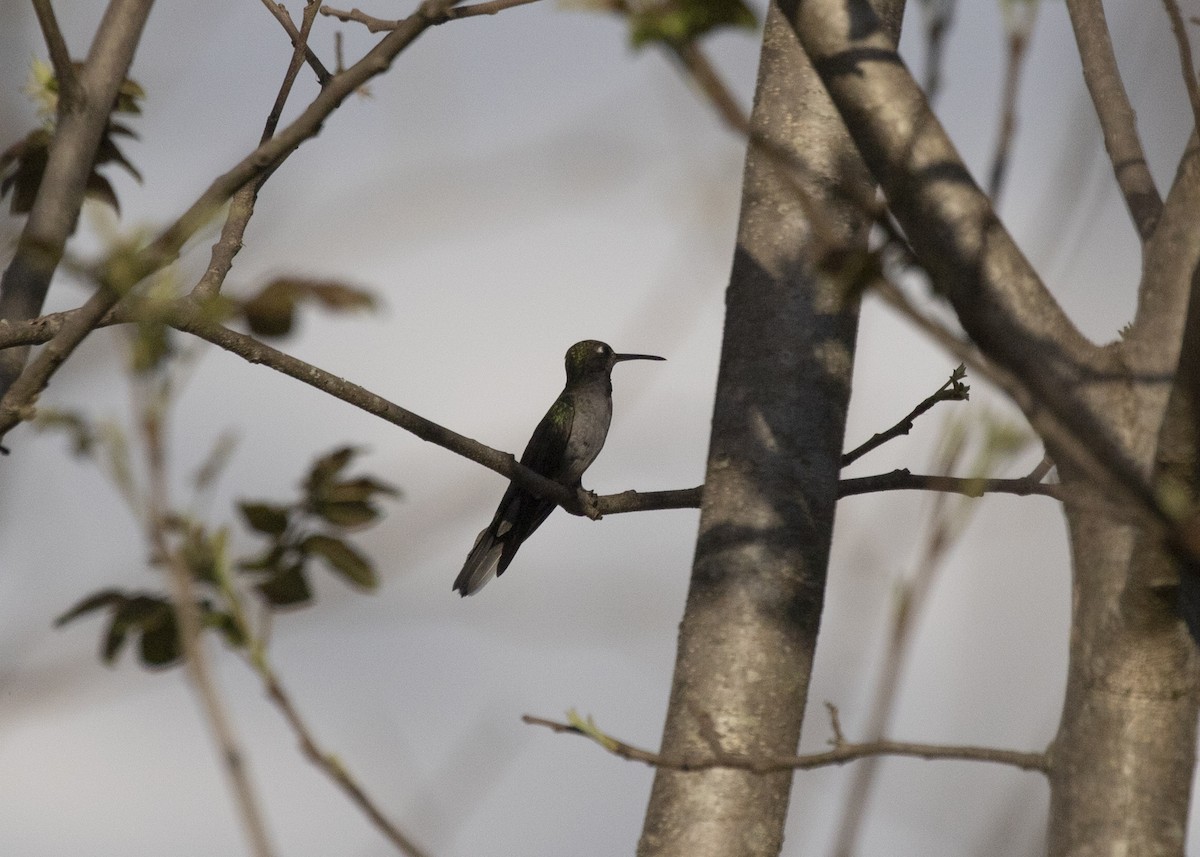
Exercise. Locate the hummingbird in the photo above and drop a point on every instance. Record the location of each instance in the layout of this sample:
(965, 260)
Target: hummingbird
(564, 444)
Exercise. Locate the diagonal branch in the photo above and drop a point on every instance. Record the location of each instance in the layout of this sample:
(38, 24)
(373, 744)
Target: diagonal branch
(1117, 120)
(60, 56)
(280, 13)
(1187, 66)
(951, 391)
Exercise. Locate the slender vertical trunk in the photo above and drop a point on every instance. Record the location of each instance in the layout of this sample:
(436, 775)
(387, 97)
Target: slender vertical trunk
(749, 630)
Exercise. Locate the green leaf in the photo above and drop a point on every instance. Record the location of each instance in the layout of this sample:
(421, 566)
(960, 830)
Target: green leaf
(265, 518)
(358, 490)
(270, 560)
(201, 553)
(22, 166)
(320, 479)
(94, 602)
(224, 624)
(342, 558)
(288, 588)
(346, 515)
(681, 21)
(272, 312)
(160, 645)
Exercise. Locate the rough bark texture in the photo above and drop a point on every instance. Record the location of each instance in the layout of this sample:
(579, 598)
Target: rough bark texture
(1121, 764)
(749, 631)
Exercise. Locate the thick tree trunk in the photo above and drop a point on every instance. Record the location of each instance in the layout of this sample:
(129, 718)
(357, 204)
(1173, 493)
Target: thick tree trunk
(749, 631)
(1121, 764)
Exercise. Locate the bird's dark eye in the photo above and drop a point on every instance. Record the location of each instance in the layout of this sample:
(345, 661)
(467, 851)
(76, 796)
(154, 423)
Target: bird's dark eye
(603, 349)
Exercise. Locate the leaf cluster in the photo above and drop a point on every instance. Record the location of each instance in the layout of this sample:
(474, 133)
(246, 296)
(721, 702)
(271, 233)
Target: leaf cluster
(313, 528)
(682, 21)
(23, 164)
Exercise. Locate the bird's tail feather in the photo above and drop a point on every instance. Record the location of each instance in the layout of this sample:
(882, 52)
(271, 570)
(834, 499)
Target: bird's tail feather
(481, 563)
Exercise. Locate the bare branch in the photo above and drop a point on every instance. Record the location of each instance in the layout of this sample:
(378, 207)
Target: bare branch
(280, 13)
(1185, 58)
(710, 82)
(329, 764)
(354, 16)
(1117, 119)
(903, 480)
(1019, 24)
(381, 25)
(60, 56)
(300, 46)
(951, 391)
(939, 17)
(842, 753)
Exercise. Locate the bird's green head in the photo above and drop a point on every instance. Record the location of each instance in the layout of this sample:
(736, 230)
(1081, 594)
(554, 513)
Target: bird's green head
(592, 357)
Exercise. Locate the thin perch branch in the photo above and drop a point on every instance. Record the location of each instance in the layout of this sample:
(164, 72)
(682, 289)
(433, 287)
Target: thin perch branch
(842, 752)
(329, 764)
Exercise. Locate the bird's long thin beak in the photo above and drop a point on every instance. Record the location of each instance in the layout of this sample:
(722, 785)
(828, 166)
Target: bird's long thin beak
(617, 358)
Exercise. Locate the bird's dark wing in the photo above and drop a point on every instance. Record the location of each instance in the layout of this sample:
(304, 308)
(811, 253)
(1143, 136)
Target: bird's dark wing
(520, 513)
(547, 449)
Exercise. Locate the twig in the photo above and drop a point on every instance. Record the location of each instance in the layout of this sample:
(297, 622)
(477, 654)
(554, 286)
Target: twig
(354, 16)
(300, 47)
(710, 82)
(453, 13)
(280, 13)
(903, 480)
(329, 764)
(241, 205)
(1117, 120)
(1185, 59)
(842, 753)
(195, 657)
(1019, 18)
(951, 391)
(939, 17)
(60, 56)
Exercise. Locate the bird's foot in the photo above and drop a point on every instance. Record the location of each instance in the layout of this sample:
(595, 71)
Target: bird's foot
(589, 503)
